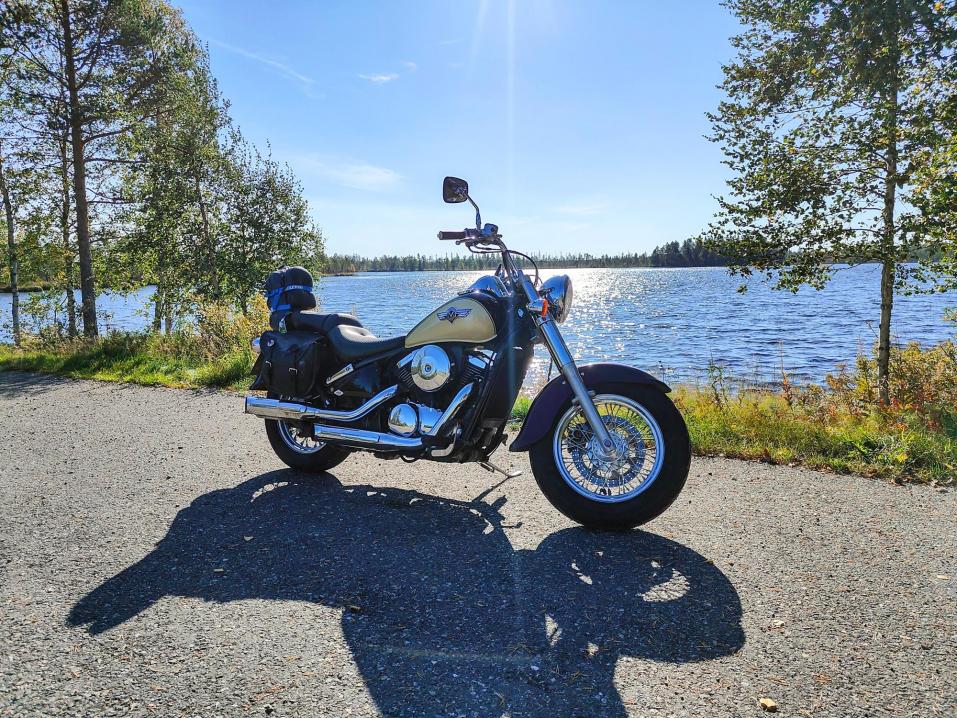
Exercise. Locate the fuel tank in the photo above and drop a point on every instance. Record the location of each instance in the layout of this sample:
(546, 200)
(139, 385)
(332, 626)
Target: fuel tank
(460, 320)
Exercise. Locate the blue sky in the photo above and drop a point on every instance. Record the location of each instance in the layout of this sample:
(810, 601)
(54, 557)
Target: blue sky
(579, 125)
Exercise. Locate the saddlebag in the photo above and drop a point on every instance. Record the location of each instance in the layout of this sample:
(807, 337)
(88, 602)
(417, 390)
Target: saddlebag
(288, 364)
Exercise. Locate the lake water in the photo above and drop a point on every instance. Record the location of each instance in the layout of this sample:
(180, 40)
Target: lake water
(672, 322)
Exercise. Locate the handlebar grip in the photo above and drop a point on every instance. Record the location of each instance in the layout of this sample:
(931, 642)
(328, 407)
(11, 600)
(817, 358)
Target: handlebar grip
(443, 234)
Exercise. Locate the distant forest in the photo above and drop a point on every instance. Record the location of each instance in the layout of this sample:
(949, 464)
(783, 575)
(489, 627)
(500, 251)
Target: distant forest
(690, 253)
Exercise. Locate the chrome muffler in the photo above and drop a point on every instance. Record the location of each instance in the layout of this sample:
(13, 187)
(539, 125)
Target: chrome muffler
(365, 439)
(293, 411)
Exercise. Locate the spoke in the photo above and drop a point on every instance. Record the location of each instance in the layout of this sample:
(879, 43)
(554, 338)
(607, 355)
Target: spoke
(613, 478)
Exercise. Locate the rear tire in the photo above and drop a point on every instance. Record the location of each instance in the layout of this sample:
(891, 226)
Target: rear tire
(319, 459)
(649, 499)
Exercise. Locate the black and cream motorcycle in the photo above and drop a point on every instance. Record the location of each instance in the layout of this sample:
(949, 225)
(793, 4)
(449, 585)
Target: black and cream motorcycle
(607, 446)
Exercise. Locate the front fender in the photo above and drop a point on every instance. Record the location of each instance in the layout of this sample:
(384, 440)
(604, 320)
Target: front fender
(554, 395)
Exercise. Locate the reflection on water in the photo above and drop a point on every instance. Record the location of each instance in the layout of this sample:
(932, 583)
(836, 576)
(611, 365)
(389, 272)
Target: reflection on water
(669, 321)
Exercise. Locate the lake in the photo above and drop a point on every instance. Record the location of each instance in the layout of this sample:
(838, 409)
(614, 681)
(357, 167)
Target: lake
(672, 322)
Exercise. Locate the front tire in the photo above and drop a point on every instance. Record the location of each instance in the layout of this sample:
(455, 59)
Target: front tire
(630, 489)
(297, 453)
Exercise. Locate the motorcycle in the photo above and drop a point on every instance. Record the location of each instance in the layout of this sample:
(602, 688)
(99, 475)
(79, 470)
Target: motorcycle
(606, 445)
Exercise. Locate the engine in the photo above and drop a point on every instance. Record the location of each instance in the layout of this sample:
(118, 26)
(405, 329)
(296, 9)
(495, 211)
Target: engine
(430, 367)
(431, 377)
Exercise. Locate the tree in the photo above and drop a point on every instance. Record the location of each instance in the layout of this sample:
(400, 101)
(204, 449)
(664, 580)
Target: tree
(268, 222)
(826, 130)
(109, 60)
(11, 227)
(173, 176)
(19, 187)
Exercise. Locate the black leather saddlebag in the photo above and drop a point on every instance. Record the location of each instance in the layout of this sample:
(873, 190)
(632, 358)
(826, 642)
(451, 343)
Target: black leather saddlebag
(288, 364)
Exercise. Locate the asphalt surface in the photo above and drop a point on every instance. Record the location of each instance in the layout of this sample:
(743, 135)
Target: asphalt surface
(157, 559)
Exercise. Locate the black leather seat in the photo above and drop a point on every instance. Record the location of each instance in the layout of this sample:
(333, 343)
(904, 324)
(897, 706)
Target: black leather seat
(352, 343)
(312, 321)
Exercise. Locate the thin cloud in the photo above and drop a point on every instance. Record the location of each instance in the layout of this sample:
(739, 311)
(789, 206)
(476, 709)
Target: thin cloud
(281, 67)
(380, 79)
(350, 173)
(410, 66)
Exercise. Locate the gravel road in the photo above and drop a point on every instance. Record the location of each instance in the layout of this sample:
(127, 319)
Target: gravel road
(157, 559)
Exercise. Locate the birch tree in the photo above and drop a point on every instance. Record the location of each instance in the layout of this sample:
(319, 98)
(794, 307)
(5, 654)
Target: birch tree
(830, 134)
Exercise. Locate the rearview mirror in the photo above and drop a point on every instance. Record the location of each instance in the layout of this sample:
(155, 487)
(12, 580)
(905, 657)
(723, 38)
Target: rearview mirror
(455, 190)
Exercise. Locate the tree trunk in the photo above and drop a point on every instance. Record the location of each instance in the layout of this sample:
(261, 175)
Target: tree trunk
(65, 232)
(12, 248)
(168, 313)
(157, 311)
(888, 272)
(207, 240)
(888, 253)
(76, 120)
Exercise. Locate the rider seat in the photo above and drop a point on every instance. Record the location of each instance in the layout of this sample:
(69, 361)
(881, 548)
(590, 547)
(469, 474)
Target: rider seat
(351, 343)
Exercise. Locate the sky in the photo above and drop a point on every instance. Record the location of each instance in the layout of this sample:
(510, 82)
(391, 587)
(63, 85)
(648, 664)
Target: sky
(579, 125)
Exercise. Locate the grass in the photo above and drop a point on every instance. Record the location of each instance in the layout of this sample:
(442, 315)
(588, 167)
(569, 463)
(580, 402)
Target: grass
(132, 358)
(764, 426)
(836, 427)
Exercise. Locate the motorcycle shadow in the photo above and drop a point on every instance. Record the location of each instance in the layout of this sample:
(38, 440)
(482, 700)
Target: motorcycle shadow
(440, 611)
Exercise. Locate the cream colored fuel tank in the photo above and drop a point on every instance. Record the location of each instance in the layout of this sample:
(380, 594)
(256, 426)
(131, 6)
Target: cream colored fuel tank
(460, 320)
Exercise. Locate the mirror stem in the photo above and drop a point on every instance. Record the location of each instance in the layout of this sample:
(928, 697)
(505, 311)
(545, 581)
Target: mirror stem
(478, 215)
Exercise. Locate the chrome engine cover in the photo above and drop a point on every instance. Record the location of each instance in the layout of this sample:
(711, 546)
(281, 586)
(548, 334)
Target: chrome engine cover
(430, 367)
(412, 419)
(428, 417)
(404, 419)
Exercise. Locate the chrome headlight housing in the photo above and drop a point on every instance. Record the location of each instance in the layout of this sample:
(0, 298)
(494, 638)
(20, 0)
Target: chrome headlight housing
(558, 292)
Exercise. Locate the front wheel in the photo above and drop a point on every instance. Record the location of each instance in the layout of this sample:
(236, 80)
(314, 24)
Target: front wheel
(633, 484)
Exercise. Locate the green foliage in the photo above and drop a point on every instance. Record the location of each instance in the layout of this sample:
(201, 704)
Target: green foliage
(520, 410)
(174, 196)
(838, 129)
(841, 426)
(212, 352)
(828, 111)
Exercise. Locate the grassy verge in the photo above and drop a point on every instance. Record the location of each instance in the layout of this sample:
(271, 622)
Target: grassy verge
(133, 358)
(764, 426)
(837, 427)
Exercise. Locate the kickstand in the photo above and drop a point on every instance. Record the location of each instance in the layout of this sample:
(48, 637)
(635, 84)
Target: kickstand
(509, 473)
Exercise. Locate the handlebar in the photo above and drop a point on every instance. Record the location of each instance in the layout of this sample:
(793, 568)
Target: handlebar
(444, 234)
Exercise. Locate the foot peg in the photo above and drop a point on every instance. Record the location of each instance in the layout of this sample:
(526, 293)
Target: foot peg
(509, 473)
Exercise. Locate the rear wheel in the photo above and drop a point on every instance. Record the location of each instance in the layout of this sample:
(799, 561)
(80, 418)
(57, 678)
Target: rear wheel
(298, 450)
(632, 485)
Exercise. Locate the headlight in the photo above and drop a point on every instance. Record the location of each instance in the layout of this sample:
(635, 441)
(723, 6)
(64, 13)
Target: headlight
(558, 292)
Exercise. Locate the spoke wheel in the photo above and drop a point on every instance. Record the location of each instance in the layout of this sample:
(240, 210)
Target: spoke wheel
(616, 476)
(297, 441)
(298, 450)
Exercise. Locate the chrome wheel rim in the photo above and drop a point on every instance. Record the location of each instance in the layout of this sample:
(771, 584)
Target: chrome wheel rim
(632, 468)
(296, 441)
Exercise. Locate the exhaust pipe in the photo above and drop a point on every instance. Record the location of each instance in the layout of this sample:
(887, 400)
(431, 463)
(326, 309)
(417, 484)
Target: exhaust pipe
(362, 438)
(378, 441)
(292, 411)
(365, 439)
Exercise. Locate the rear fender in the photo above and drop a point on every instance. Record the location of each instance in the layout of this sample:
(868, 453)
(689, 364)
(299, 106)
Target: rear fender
(556, 393)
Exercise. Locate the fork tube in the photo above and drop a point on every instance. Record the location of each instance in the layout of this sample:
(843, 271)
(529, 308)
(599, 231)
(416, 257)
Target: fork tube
(562, 358)
(555, 342)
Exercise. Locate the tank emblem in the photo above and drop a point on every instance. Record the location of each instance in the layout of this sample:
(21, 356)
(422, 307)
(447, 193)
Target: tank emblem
(451, 314)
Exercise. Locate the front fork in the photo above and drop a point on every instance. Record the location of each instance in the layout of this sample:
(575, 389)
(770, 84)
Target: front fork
(562, 358)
